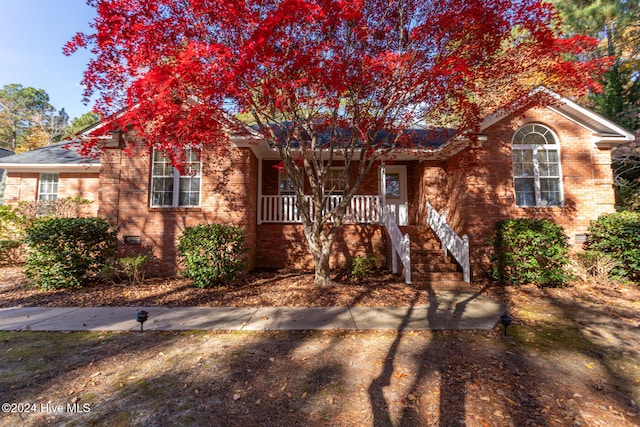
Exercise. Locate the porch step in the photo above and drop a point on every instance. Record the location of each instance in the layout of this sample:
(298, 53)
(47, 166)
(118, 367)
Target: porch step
(430, 267)
(434, 266)
(428, 246)
(436, 276)
(428, 252)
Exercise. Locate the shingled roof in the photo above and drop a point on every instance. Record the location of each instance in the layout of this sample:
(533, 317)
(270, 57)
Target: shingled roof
(61, 153)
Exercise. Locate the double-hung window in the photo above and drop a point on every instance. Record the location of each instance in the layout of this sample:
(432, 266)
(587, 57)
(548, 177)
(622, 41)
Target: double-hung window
(169, 188)
(536, 167)
(335, 181)
(285, 185)
(48, 187)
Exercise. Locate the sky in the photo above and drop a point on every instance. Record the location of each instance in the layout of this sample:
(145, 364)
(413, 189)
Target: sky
(32, 34)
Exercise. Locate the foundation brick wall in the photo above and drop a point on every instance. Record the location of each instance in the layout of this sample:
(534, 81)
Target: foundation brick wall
(284, 245)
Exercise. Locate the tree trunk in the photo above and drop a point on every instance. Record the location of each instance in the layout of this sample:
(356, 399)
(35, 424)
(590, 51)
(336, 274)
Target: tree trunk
(322, 271)
(320, 238)
(321, 257)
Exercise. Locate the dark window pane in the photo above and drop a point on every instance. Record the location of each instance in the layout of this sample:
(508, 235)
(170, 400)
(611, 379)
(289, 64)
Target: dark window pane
(393, 186)
(525, 192)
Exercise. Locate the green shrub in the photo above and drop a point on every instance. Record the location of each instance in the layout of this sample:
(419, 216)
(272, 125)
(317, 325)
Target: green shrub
(212, 253)
(15, 219)
(530, 251)
(64, 252)
(361, 267)
(10, 252)
(132, 262)
(11, 223)
(618, 235)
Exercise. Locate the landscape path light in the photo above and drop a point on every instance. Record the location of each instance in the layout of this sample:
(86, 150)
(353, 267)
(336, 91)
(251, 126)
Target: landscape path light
(142, 317)
(506, 321)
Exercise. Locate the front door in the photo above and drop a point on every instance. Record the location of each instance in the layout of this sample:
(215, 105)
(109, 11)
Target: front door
(394, 188)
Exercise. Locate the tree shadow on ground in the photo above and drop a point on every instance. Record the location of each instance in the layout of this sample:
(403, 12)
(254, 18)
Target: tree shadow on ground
(406, 377)
(460, 369)
(602, 332)
(242, 379)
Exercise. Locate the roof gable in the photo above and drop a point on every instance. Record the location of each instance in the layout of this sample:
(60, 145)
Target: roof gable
(605, 133)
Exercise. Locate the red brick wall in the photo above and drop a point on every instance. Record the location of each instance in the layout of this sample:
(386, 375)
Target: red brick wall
(488, 192)
(430, 184)
(23, 186)
(228, 196)
(284, 245)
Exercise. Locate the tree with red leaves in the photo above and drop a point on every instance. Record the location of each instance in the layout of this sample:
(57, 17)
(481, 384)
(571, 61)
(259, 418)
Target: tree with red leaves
(325, 81)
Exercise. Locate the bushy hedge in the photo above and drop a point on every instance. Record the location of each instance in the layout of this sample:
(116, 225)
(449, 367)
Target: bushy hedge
(11, 223)
(530, 251)
(15, 219)
(64, 252)
(11, 234)
(618, 235)
(212, 253)
(11, 252)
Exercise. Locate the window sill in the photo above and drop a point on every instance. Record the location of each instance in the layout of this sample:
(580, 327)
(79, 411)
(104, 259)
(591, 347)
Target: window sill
(541, 207)
(175, 209)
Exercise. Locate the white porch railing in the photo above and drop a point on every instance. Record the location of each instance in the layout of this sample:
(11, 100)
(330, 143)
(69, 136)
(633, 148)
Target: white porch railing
(457, 246)
(283, 209)
(401, 245)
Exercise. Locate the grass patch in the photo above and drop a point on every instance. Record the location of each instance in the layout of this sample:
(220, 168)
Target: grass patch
(550, 336)
(546, 327)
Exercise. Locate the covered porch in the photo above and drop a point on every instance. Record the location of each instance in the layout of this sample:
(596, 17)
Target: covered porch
(385, 186)
(387, 218)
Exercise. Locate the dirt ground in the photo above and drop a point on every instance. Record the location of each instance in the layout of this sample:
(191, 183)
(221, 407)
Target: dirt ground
(572, 358)
(263, 288)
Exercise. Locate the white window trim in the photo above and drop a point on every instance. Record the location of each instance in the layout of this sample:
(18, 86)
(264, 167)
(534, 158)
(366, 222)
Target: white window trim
(333, 191)
(282, 178)
(176, 186)
(536, 169)
(41, 180)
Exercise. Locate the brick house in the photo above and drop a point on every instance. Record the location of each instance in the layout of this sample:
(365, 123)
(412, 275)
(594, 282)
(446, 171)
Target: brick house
(53, 172)
(549, 162)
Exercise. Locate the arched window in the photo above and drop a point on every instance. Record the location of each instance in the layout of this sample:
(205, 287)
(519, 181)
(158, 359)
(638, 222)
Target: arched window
(536, 166)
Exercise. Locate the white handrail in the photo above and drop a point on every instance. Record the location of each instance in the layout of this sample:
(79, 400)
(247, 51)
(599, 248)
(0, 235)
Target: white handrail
(457, 246)
(401, 245)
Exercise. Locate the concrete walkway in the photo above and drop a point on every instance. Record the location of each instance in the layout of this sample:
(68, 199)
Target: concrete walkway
(447, 310)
